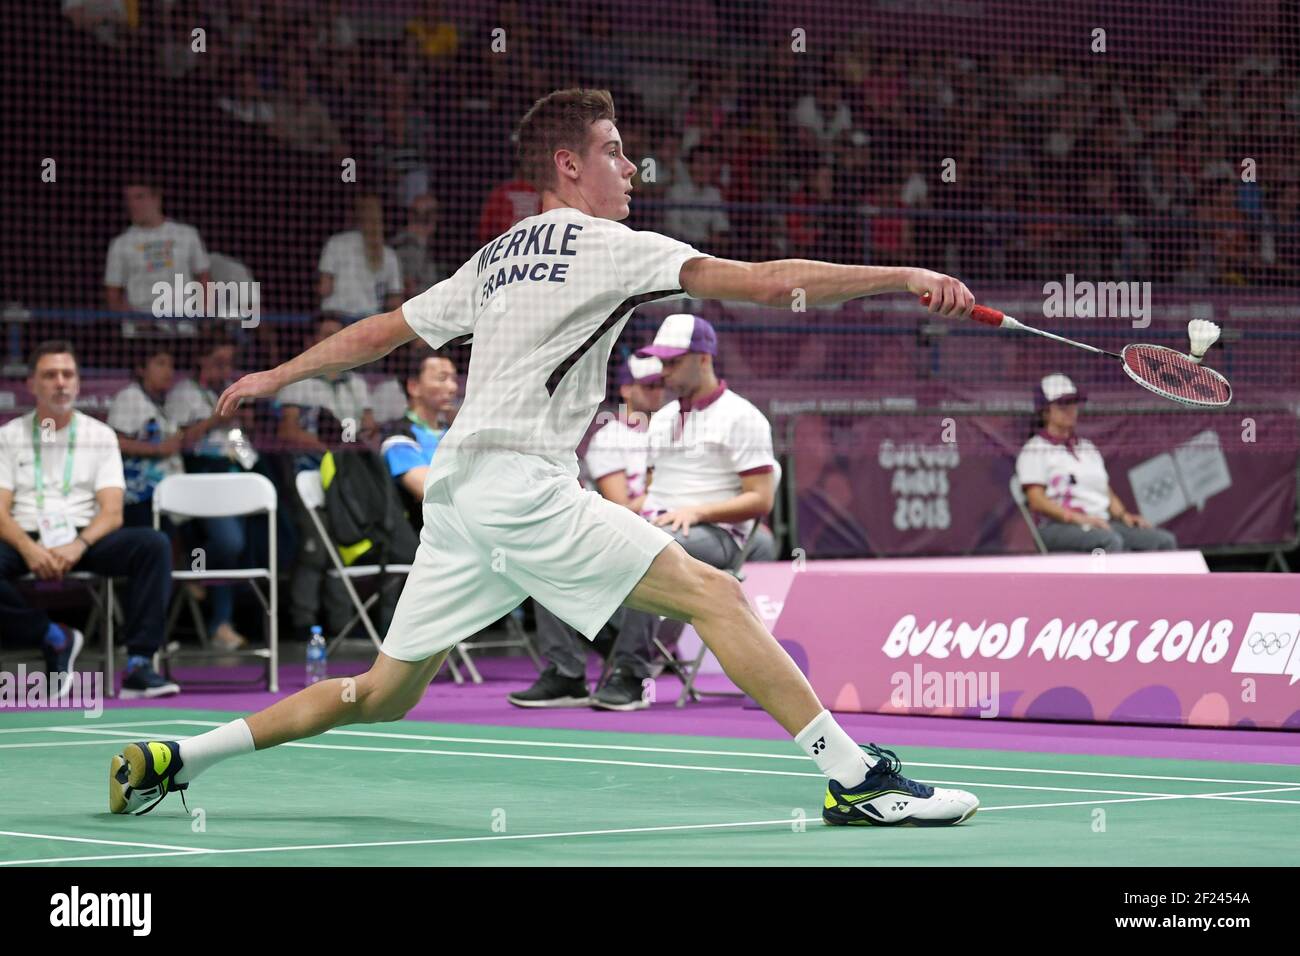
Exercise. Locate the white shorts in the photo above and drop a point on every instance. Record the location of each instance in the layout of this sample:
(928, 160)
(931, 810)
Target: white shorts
(506, 526)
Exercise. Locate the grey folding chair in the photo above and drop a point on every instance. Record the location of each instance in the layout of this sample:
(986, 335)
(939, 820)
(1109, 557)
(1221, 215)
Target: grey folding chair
(688, 671)
(103, 611)
(227, 496)
(516, 637)
(312, 494)
(1022, 502)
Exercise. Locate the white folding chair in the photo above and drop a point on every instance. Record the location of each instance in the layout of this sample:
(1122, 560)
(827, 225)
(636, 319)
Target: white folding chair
(227, 496)
(1018, 496)
(312, 494)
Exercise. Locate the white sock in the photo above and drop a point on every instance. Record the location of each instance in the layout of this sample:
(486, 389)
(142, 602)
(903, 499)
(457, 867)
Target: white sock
(201, 752)
(836, 754)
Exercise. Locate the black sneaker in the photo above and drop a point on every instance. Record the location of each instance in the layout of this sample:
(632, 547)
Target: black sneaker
(553, 690)
(144, 681)
(59, 663)
(621, 692)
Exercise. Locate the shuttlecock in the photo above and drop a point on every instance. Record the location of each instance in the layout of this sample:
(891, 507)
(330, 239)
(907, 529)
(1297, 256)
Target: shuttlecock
(1203, 334)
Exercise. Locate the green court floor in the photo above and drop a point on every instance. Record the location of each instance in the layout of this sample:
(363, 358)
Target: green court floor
(453, 794)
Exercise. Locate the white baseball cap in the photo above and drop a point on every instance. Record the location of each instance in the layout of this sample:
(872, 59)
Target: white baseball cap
(1057, 387)
(641, 371)
(682, 333)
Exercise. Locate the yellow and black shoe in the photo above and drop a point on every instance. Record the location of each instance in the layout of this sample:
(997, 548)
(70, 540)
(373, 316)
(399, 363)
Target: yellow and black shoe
(142, 774)
(888, 799)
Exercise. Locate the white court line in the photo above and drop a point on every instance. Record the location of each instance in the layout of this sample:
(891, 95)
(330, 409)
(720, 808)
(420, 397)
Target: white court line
(91, 859)
(56, 743)
(195, 851)
(97, 841)
(1294, 803)
(441, 841)
(706, 753)
(1099, 773)
(1225, 795)
(1080, 803)
(73, 727)
(681, 750)
(785, 821)
(667, 766)
(670, 766)
(136, 732)
(743, 753)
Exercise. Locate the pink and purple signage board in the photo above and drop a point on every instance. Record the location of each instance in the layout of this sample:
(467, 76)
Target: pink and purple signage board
(1211, 650)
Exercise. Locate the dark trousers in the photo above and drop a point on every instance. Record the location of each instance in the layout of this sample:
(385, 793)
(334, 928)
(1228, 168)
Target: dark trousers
(315, 594)
(634, 650)
(141, 555)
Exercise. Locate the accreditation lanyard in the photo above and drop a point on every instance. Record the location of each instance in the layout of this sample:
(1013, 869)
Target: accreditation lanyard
(415, 419)
(67, 461)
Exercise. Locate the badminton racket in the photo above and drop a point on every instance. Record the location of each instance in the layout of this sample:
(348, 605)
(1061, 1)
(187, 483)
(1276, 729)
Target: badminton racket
(1157, 368)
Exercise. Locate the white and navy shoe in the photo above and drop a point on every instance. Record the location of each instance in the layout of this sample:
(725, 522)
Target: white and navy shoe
(888, 799)
(143, 774)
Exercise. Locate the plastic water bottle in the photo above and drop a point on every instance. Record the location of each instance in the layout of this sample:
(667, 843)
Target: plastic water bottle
(316, 662)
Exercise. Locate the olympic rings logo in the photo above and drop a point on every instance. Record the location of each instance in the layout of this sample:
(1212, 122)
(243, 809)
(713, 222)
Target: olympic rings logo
(1267, 643)
(1159, 489)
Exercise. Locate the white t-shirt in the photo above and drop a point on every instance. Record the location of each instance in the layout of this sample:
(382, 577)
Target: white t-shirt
(140, 257)
(699, 455)
(694, 224)
(130, 413)
(189, 402)
(346, 397)
(1073, 479)
(545, 302)
(358, 289)
(96, 464)
(824, 125)
(617, 446)
(389, 400)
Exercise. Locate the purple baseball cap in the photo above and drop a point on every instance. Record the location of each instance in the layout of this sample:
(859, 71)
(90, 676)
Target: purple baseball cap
(682, 333)
(641, 371)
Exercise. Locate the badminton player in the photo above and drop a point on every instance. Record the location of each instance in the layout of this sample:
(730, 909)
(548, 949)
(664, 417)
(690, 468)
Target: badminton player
(505, 517)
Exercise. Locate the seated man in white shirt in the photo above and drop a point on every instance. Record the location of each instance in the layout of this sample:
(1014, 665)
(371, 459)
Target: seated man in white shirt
(616, 462)
(713, 473)
(1067, 486)
(696, 211)
(61, 487)
(153, 249)
(358, 274)
(317, 413)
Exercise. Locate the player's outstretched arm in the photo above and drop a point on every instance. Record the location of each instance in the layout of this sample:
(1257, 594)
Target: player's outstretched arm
(365, 341)
(777, 283)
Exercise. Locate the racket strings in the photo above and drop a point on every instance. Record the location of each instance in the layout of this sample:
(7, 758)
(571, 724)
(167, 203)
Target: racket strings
(1171, 373)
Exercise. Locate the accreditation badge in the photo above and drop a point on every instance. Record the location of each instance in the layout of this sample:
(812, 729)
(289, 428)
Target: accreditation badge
(56, 529)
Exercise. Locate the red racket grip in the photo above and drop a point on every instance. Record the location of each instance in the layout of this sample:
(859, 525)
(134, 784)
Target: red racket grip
(981, 313)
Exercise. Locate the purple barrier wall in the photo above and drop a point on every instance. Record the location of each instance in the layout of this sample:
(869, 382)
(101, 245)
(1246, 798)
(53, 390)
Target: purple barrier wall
(1203, 650)
(886, 484)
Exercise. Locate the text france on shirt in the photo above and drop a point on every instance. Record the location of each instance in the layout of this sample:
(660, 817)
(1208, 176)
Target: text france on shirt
(534, 241)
